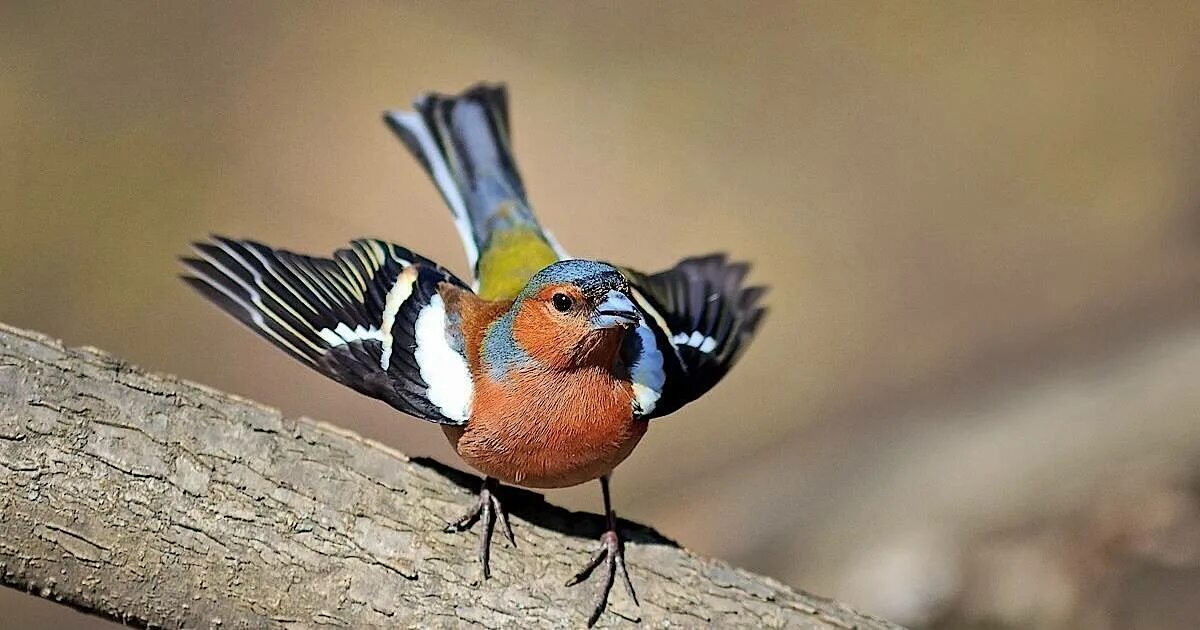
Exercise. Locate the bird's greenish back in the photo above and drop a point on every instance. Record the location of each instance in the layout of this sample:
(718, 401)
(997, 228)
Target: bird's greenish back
(511, 257)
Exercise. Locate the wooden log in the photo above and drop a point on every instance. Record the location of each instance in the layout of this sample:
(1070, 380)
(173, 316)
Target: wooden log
(160, 503)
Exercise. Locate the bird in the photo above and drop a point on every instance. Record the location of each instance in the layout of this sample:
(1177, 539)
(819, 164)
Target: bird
(544, 371)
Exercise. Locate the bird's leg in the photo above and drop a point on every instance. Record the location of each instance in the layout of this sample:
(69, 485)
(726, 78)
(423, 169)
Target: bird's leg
(487, 508)
(612, 555)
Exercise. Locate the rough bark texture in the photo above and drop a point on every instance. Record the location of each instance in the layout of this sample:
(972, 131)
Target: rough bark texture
(157, 502)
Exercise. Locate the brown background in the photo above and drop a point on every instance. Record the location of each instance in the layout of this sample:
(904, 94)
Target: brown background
(975, 399)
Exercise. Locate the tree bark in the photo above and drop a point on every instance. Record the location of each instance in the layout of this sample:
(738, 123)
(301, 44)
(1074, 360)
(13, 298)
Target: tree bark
(160, 503)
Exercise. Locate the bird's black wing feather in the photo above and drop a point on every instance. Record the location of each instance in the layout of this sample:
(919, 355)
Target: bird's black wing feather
(703, 317)
(367, 317)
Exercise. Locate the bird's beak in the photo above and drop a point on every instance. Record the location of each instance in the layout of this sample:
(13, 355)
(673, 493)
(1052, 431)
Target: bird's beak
(616, 310)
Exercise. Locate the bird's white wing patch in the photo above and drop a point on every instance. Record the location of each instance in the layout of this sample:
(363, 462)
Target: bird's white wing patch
(443, 369)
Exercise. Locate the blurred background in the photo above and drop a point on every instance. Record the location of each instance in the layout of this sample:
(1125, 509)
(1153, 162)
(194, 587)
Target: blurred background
(975, 402)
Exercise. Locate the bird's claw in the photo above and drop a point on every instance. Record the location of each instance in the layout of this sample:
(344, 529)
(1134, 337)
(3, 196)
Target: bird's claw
(612, 555)
(486, 508)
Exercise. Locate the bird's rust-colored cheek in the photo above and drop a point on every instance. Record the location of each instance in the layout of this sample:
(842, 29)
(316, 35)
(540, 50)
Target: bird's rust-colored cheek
(550, 338)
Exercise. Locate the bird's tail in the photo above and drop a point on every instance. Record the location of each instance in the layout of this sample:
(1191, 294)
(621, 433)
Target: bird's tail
(463, 143)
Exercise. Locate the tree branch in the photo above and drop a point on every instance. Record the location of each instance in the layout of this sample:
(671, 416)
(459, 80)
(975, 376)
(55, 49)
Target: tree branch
(157, 502)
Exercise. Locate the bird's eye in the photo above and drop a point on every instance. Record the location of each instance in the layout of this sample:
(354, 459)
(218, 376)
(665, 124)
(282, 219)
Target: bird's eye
(562, 302)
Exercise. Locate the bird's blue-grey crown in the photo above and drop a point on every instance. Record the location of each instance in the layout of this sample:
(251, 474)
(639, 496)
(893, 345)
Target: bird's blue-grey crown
(595, 279)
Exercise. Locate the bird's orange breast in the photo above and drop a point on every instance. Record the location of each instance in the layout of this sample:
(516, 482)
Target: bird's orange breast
(549, 429)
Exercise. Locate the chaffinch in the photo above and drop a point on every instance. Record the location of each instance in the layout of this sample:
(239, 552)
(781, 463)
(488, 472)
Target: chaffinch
(545, 374)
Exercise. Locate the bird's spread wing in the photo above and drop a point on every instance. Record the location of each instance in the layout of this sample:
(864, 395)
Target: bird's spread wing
(371, 317)
(697, 319)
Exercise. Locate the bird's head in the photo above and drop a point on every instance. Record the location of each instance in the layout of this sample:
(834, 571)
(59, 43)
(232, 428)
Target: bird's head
(574, 313)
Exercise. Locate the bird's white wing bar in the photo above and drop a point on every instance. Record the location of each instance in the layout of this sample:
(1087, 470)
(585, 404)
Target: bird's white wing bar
(697, 340)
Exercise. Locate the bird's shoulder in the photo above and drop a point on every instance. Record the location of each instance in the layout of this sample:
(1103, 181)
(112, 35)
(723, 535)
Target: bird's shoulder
(470, 316)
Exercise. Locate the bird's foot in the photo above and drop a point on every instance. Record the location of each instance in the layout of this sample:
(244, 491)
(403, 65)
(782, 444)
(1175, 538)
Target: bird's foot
(612, 555)
(487, 509)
